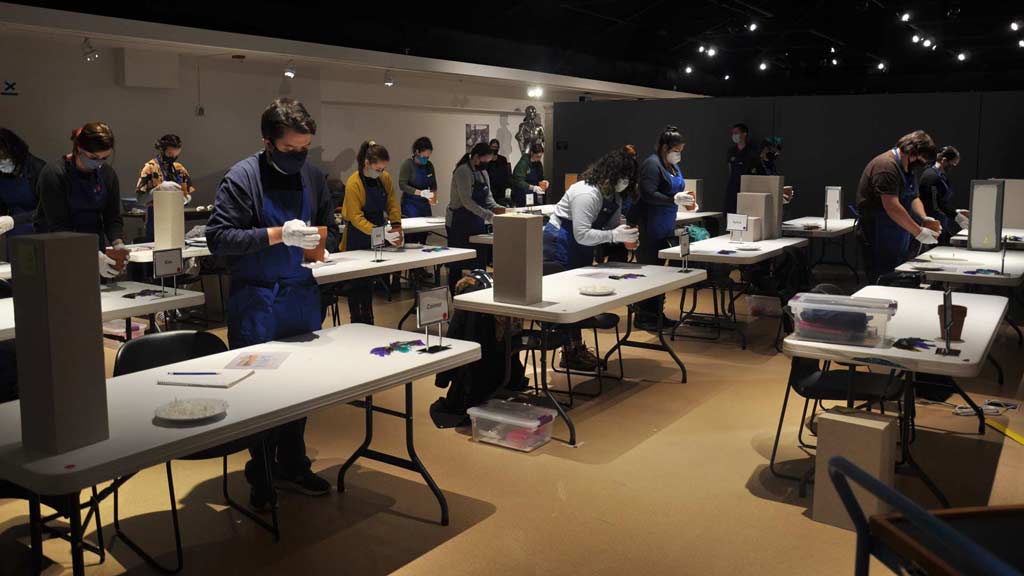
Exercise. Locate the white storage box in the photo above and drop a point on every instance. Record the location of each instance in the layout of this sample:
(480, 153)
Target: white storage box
(513, 425)
(841, 319)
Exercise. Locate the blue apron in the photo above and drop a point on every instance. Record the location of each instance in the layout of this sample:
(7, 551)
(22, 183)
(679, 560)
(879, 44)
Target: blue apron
(86, 200)
(177, 178)
(891, 242)
(560, 243)
(272, 295)
(532, 179)
(17, 197)
(661, 220)
(417, 206)
(373, 210)
(947, 195)
(466, 224)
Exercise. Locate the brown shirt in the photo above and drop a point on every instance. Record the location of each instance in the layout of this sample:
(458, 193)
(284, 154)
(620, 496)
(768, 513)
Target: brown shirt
(882, 176)
(153, 174)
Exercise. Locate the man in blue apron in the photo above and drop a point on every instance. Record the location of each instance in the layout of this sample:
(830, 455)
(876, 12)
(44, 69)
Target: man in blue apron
(890, 209)
(19, 172)
(266, 212)
(937, 194)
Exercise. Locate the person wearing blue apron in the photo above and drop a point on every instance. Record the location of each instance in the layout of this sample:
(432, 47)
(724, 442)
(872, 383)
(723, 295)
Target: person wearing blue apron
(370, 202)
(165, 167)
(19, 174)
(660, 180)
(890, 207)
(266, 211)
(81, 193)
(418, 183)
(937, 194)
(528, 176)
(470, 208)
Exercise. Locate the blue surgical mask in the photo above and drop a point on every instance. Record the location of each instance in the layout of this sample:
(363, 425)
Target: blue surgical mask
(287, 162)
(372, 174)
(90, 164)
(7, 166)
(422, 160)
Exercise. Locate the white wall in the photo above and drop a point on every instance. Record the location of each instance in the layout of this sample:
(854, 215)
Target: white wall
(58, 92)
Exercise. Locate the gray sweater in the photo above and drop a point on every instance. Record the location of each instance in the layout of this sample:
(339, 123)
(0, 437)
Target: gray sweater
(462, 193)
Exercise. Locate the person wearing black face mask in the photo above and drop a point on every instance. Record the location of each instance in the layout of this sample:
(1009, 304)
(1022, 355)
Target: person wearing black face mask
(19, 174)
(266, 211)
(890, 208)
(165, 167)
(499, 170)
(937, 194)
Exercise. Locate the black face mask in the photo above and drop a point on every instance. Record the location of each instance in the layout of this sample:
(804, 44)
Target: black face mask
(170, 160)
(495, 152)
(288, 162)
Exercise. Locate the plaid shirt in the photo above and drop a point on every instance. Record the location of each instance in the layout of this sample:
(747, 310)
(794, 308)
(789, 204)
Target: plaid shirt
(153, 174)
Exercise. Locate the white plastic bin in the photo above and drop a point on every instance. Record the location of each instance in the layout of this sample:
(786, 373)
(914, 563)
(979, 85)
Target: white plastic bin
(841, 319)
(511, 424)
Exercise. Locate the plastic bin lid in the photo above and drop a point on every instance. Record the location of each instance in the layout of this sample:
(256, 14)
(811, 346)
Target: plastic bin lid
(523, 415)
(846, 303)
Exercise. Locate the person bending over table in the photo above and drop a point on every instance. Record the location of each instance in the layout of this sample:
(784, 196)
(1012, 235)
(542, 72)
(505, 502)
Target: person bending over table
(660, 196)
(470, 208)
(937, 195)
(888, 198)
(165, 167)
(81, 193)
(370, 201)
(418, 183)
(589, 215)
(265, 213)
(528, 176)
(19, 175)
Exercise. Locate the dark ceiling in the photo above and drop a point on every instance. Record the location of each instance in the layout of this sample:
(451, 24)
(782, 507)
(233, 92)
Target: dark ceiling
(651, 42)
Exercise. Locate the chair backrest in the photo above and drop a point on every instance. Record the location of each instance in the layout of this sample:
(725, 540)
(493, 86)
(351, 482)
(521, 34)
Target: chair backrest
(153, 350)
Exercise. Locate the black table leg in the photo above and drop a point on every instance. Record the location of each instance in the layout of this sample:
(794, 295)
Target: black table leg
(662, 346)
(545, 330)
(36, 534)
(907, 422)
(74, 511)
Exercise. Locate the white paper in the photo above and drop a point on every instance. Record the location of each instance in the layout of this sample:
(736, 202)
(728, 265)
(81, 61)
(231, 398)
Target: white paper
(529, 199)
(264, 361)
(215, 378)
(167, 263)
(684, 245)
(736, 223)
(377, 239)
(833, 201)
(432, 306)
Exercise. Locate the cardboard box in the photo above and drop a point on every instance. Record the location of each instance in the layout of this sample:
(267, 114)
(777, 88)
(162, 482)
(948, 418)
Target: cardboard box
(755, 232)
(518, 258)
(767, 185)
(868, 440)
(168, 219)
(61, 374)
(757, 205)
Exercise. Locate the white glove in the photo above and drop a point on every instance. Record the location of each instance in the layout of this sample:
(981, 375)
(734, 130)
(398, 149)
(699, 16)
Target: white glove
(927, 236)
(426, 194)
(107, 269)
(625, 235)
(188, 198)
(961, 220)
(393, 238)
(6, 224)
(684, 199)
(537, 190)
(296, 233)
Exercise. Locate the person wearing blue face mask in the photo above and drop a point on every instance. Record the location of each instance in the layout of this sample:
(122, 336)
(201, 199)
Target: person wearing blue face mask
(19, 174)
(266, 211)
(418, 182)
(81, 193)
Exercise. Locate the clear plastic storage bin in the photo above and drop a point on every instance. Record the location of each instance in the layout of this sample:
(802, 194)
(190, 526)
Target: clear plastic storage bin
(841, 319)
(513, 425)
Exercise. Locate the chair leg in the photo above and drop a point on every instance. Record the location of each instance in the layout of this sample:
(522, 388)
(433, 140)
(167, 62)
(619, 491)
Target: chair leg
(804, 423)
(178, 551)
(775, 446)
(600, 371)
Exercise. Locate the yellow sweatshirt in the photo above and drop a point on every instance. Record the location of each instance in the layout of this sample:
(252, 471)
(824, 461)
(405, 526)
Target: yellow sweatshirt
(355, 201)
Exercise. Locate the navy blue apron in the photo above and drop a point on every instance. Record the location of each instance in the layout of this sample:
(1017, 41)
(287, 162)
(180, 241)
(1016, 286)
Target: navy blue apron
(560, 243)
(661, 220)
(272, 295)
(373, 210)
(465, 223)
(418, 206)
(946, 197)
(175, 177)
(86, 200)
(17, 197)
(891, 241)
(532, 179)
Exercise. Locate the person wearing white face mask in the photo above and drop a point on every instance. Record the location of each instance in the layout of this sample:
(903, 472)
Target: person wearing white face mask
(743, 159)
(19, 174)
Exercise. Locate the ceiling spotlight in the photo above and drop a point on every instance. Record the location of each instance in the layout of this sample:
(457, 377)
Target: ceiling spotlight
(1014, 25)
(701, 49)
(961, 56)
(89, 54)
(927, 43)
(1020, 43)
(712, 52)
(881, 65)
(905, 17)
(752, 26)
(726, 77)
(934, 46)
(763, 66)
(832, 50)
(689, 69)
(915, 39)
(835, 62)
(289, 71)
(389, 80)
(535, 92)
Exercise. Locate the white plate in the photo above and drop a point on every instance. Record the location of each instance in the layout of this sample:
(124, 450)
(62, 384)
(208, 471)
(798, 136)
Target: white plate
(192, 409)
(748, 248)
(597, 290)
(413, 245)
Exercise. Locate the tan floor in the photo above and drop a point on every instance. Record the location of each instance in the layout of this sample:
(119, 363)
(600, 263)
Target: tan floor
(669, 478)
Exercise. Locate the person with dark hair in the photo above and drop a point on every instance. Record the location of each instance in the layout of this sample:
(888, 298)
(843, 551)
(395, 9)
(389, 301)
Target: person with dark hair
(743, 159)
(771, 149)
(19, 174)
(661, 194)
(889, 206)
(267, 210)
(370, 202)
(499, 170)
(471, 207)
(589, 215)
(528, 177)
(418, 183)
(81, 193)
(937, 194)
(165, 167)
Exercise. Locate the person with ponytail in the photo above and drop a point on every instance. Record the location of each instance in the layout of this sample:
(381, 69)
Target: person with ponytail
(370, 202)
(471, 207)
(81, 193)
(589, 215)
(165, 167)
(661, 195)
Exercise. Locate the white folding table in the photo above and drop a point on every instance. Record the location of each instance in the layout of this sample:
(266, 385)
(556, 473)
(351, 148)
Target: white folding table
(143, 253)
(831, 233)
(1012, 237)
(115, 306)
(310, 378)
(917, 317)
(961, 266)
(683, 217)
(563, 304)
(421, 224)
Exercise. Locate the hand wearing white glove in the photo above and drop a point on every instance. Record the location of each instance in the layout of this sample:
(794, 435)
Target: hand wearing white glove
(684, 199)
(426, 194)
(6, 224)
(394, 237)
(107, 269)
(188, 198)
(625, 235)
(537, 190)
(962, 220)
(296, 233)
(927, 236)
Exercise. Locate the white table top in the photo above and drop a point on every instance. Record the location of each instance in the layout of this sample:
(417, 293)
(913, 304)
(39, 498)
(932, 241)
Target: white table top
(563, 303)
(961, 237)
(115, 306)
(343, 266)
(545, 209)
(487, 239)
(422, 224)
(683, 217)
(5, 271)
(333, 368)
(836, 228)
(143, 252)
(917, 317)
(955, 271)
(707, 250)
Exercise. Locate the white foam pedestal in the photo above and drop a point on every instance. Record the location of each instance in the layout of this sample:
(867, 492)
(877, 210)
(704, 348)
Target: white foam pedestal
(168, 219)
(771, 185)
(518, 258)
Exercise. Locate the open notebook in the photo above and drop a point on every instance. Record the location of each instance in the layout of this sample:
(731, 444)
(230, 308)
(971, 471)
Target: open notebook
(205, 378)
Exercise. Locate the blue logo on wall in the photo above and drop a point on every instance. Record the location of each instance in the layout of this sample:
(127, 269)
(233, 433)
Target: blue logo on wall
(10, 88)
